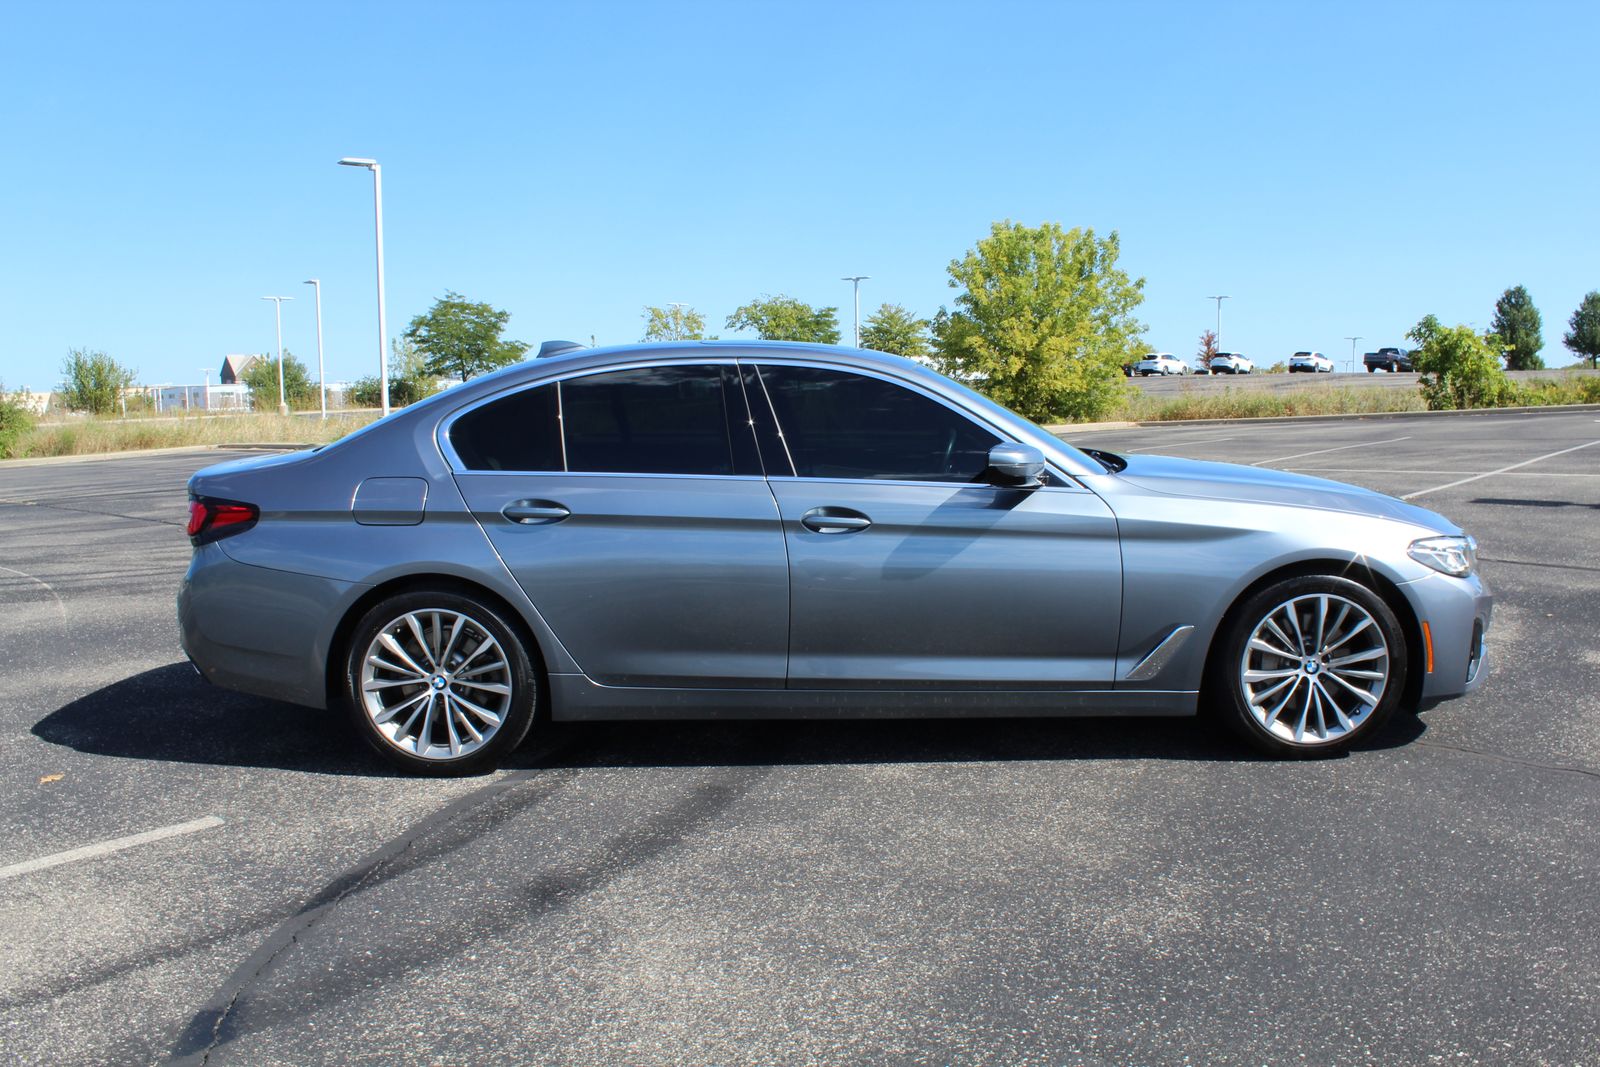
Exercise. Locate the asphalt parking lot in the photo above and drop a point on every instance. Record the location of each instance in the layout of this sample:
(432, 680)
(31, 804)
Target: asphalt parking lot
(993, 891)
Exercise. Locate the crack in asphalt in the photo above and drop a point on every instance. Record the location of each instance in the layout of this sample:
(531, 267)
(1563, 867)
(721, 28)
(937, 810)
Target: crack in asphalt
(1532, 563)
(89, 511)
(1517, 761)
(205, 1030)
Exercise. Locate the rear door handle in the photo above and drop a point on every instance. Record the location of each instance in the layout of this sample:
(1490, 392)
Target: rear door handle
(534, 512)
(834, 520)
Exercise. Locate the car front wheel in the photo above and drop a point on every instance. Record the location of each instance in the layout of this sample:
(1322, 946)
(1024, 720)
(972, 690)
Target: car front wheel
(439, 683)
(1308, 666)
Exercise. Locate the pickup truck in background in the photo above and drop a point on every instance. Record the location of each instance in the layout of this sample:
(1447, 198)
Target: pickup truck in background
(1389, 359)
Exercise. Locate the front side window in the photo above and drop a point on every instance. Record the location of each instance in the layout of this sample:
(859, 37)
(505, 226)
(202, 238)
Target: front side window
(836, 424)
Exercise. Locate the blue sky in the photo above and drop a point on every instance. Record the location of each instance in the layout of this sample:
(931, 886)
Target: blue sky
(1336, 169)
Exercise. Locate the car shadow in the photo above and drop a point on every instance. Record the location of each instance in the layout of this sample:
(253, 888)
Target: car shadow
(170, 714)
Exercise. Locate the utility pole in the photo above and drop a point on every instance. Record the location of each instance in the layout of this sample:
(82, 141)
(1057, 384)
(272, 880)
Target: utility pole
(1219, 300)
(856, 282)
(1352, 341)
(283, 404)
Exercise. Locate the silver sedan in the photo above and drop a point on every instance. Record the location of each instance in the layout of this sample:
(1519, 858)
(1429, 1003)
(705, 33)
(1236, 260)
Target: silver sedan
(763, 530)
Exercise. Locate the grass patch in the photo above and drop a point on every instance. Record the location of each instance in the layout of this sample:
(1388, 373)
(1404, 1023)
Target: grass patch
(90, 436)
(1208, 403)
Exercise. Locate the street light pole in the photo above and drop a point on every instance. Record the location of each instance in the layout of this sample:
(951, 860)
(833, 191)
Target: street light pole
(322, 378)
(1352, 341)
(856, 283)
(1219, 300)
(277, 303)
(383, 328)
(207, 372)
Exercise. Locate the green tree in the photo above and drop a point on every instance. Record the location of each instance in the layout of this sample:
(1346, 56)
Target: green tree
(895, 330)
(1457, 367)
(299, 389)
(1207, 350)
(1584, 337)
(93, 381)
(1516, 322)
(460, 339)
(1044, 320)
(783, 318)
(675, 322)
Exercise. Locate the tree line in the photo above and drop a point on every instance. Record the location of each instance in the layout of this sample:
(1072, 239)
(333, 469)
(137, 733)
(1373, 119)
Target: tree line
(1042, 321)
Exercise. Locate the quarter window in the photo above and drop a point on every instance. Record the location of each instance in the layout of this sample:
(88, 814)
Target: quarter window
(841, 425)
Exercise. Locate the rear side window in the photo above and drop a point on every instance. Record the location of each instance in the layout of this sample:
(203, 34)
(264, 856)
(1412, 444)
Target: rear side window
(520, 432)
(654, 420)
(841, 425)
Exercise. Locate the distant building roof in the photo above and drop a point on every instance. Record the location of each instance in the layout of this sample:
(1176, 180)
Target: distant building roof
(234, 367)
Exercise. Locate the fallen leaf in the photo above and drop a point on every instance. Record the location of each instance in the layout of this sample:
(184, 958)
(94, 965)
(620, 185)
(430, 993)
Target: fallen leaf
(51, 778)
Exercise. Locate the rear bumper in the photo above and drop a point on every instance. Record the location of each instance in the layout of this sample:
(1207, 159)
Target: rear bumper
(257, 630)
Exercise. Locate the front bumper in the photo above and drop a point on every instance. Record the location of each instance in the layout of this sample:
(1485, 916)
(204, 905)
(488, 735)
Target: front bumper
(1457, 613)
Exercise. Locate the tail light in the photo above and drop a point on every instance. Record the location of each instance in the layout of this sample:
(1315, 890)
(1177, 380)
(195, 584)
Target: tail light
(212, 520)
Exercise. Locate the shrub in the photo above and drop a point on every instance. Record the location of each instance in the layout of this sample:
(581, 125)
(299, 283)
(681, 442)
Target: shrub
(93, 381)
(15, 421)
(1457, 367)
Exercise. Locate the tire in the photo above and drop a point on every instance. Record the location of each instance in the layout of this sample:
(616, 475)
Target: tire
(1357, 680)
(414, 652)
(1372, 369)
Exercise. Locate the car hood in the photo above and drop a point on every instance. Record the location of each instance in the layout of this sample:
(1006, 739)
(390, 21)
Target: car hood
(1260, 485)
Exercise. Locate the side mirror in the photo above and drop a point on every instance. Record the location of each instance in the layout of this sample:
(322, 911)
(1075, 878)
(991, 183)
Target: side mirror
(1019, 466)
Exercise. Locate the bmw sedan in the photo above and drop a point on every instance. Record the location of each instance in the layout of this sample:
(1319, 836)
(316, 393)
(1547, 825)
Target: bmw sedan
(765, 530)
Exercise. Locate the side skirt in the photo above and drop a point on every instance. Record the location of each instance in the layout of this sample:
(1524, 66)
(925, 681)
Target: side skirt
(576, 697)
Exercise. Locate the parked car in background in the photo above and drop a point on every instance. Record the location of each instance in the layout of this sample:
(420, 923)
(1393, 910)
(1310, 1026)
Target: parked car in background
(1231, 363)
(1310, 362)
(1160, 363)
(1200, 368)
(723, 530)
(1389, 359)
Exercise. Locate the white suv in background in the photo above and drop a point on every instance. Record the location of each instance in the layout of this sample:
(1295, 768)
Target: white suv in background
(1231, 363)
(1160, 363)
(1311, 363)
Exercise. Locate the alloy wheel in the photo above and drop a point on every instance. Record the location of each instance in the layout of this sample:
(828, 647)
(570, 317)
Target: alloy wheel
(1314, 669)
(436, 685)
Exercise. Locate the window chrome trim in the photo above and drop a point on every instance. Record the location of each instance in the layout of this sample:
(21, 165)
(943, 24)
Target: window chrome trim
(754, 362)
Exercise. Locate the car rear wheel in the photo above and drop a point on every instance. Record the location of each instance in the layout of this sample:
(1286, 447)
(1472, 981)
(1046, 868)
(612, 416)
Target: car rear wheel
(439, 683)
(1309, 665)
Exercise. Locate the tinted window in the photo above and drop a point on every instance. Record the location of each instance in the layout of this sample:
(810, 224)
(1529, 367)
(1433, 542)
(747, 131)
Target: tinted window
(842, 425)
(657, 420)
(517, 433)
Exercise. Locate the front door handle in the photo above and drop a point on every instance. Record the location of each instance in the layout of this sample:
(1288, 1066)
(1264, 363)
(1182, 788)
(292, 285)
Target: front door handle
(534, 512)
(834, 520)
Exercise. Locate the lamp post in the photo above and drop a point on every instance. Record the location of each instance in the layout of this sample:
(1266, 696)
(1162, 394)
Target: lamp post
(207, 372)
(1219, 300)
(856, 284)
(277, 301)
(1352, 341)
(383, 329)
(322, 378)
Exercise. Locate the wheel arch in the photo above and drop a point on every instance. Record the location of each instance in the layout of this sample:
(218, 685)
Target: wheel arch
(1356, 571)
(339, 645)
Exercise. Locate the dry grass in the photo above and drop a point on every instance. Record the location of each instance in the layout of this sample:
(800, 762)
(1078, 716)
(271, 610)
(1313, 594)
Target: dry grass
(1253, 404)
(89, 436)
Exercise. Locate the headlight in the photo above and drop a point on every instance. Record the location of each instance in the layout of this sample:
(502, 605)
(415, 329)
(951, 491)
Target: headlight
(1452, 555)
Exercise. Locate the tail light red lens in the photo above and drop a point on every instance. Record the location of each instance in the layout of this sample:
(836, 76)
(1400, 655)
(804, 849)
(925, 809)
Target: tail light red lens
(212, 520)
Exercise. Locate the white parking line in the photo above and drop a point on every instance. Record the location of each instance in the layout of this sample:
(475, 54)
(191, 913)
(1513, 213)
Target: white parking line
(1341, 448)
(105, 848)
(1502, 470)
(1406, 470)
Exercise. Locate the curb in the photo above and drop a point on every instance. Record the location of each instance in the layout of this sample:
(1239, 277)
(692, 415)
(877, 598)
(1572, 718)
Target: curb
(1546, 409)
(90, 457)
